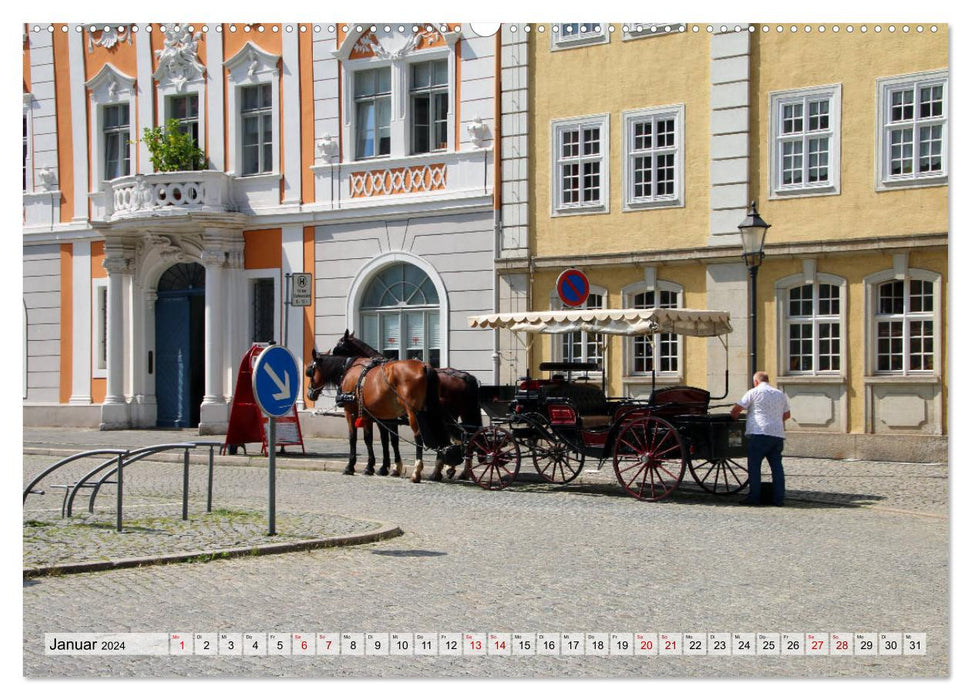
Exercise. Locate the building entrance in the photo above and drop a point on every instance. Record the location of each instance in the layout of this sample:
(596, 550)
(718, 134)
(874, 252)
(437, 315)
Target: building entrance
(180, 345)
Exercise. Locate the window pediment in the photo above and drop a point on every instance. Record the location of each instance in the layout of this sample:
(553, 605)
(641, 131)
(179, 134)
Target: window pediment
(250, 62)
(110, 84)
(393, 46)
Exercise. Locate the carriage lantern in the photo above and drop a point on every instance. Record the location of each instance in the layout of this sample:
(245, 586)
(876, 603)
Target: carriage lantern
(753, 230)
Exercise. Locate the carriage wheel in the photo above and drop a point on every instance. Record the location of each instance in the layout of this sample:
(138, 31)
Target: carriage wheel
(649, 458)
(556, 461)
(492, 457)
(720, 476)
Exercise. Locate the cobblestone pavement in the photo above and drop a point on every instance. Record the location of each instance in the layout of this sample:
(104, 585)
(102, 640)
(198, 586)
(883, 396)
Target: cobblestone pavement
(863, 548)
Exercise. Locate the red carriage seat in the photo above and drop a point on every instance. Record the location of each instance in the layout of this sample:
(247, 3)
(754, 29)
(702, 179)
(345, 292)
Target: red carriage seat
(680, 401)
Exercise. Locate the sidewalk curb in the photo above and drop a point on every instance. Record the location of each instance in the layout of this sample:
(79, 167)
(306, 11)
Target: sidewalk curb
(383, 533)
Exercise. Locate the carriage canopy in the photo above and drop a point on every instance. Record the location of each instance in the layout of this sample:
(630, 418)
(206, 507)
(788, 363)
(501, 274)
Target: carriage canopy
(693, 322)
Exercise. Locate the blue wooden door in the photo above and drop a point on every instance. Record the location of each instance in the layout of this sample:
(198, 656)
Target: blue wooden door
(172, 364)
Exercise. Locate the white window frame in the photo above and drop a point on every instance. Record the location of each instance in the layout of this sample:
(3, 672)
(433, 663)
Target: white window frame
(630, 118)
(872, 284)
(557, 339)
(28, 142)
(560, 40)
(399, 60)
(353, 106)
(110, 87)
(627, 294)
(885, 86)
(251, 66)
(782, 288)
(558, 127)
(165, 99)
(778, 100)
(644, 30)
(99, 327)
(251, 277)
(431, 92)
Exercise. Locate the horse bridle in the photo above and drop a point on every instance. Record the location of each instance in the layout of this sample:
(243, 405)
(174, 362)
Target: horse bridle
(313, 392)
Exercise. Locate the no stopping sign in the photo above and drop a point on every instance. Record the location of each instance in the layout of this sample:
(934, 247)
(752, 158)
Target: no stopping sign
(572, 287)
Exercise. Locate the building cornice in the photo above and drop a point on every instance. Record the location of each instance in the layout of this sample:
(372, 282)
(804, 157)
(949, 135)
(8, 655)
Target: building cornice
(728, 253)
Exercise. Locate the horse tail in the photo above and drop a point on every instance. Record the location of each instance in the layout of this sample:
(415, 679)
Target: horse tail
(471, 415)
(432, 420)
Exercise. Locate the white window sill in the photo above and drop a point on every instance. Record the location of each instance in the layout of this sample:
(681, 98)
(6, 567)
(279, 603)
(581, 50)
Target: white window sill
(254, 177)
(666, 379)
(811, 379)
(816, 191)
(578, 211)
(642, 204)
(929, 181)
(902, 379)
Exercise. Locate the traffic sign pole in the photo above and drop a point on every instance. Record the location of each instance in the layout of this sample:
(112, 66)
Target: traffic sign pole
(271, 490)
(276, 381)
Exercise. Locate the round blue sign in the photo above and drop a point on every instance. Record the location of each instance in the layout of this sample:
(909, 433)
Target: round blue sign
(276, 381)
(572, 287)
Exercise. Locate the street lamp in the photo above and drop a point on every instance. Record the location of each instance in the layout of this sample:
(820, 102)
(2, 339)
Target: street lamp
(753, 231)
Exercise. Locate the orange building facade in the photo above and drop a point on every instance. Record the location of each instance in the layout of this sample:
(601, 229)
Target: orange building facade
(362, 155)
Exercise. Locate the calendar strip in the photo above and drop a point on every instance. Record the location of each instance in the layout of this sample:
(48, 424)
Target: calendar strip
(620, 644)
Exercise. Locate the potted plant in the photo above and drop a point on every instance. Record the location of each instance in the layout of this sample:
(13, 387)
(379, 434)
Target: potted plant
(172, 149)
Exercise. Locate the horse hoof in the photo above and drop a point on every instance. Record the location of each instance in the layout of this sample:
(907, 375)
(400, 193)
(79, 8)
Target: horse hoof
(349, 471)
(383, 471)
(416, 479)
(435, 477)
(369, 471)
(450, 472)
(396, 473)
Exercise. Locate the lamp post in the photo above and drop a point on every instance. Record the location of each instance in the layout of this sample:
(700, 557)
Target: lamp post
(753, 231)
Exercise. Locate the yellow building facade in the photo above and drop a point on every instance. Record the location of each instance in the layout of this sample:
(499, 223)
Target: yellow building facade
(646, 145)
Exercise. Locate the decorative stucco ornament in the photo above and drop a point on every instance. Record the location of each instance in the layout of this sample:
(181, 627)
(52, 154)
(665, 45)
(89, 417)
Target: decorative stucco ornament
(328, 148)
(47, 178)
(178, 59)
(478, 132)
(109, 36)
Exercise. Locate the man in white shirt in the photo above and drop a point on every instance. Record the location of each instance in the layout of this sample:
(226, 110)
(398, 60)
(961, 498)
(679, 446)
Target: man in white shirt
(767, 410)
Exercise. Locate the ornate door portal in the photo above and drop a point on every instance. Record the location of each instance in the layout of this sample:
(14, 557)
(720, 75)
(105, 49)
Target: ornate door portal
(179, 345)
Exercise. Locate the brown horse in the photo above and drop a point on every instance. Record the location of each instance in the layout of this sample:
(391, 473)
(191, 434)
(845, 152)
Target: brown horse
(386, 392)
(458, 392)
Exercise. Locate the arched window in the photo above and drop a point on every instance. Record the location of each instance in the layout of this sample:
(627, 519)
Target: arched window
(400, 314)
(905, 317)
(812, 310)
(641, 351)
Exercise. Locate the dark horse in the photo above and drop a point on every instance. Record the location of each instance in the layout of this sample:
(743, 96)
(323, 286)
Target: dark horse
(458, 392)
(386, 391)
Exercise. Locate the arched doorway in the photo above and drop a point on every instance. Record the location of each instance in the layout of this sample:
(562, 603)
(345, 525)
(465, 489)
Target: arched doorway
(180, 345)
(400, 314)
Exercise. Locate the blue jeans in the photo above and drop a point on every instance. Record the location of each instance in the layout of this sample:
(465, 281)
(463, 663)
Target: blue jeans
(765, 447)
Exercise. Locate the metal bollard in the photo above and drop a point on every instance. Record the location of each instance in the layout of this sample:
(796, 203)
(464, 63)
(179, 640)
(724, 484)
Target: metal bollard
(119, 496)
(209, 492)
(185, 485)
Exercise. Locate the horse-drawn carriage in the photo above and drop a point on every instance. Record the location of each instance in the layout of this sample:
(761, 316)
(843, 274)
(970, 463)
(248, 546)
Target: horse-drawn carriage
(557, 422)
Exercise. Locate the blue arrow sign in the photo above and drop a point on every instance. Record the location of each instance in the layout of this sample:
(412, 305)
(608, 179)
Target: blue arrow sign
(276, 381)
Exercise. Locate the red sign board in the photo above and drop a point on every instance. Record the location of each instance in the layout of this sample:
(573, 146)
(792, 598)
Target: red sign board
(246, 420)
(572, 287)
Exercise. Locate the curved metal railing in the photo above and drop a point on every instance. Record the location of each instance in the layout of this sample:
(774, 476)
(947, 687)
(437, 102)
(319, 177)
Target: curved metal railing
(115, 466)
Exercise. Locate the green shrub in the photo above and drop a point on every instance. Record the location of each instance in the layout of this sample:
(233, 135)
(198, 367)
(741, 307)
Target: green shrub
(171, 149)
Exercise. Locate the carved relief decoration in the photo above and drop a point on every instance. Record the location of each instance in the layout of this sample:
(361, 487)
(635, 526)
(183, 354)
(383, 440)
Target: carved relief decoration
(478, 132)
(328, 148)
(178, 60)
(368, 45)
(392, 181)
(108, 36)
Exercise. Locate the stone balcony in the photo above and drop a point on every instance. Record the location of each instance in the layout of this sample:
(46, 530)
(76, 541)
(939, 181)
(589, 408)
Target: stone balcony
(433, 179)
(159, 196)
